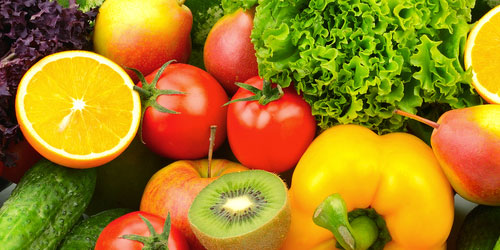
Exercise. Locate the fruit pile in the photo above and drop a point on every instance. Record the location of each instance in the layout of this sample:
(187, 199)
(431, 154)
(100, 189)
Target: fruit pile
(165, 136)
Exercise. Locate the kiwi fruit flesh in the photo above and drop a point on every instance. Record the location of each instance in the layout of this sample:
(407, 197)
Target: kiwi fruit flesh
(242, 210)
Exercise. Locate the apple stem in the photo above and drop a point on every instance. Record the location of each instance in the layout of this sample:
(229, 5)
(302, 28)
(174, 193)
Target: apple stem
(213, 129)
(181, 2)
(418, 118)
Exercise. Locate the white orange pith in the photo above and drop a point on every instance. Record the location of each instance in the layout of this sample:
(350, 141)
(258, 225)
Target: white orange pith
(482, 53)
(77, 108)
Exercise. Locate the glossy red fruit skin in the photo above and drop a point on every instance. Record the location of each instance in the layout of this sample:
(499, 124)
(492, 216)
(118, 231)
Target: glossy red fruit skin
(25, 157)
(271, 137)
(229, 54)
(131, 223)
(174, 187)
(143, 34)
(185, 135)
(467, 146)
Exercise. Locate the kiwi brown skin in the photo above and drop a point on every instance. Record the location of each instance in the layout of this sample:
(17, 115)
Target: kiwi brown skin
(270, 236)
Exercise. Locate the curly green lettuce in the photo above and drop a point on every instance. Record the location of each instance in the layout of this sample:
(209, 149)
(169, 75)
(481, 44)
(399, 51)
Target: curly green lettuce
(231, 6)
(83, 5)
(356, 61)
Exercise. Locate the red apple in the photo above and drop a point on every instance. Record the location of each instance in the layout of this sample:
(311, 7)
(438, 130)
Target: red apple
(143, 34)
(229, 54)
(173, 189)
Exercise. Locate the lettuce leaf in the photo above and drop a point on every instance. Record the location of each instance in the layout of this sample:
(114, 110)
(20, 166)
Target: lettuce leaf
(83, 5)
(356, 61)
(205, 14)
(231, 6)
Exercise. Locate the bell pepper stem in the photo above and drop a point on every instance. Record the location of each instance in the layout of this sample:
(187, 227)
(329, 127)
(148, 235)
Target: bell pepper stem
(365, 232)
(359, 234)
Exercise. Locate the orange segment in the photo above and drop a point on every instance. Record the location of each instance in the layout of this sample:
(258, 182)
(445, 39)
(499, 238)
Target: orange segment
(482, 53)
(78, 108)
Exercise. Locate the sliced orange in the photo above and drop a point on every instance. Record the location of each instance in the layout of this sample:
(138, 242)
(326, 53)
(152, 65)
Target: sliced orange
(482, 53)
(78, 109)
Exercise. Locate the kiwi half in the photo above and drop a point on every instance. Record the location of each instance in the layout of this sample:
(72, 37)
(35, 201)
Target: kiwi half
(242, 210)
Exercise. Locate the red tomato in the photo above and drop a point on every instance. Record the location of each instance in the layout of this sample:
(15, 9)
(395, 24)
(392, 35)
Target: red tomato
(25, 157)
(185, 135)
(132, 224)
(271, 137)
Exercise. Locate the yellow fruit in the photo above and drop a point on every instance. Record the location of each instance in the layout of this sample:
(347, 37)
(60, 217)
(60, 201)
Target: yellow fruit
(78, 109)
(482, 53)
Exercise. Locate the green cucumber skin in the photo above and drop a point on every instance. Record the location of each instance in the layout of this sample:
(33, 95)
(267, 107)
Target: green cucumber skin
(84, 234)
(480, 230)
(44, 206)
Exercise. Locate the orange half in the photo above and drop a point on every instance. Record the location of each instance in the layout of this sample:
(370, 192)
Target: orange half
(482, 53)
(78, 109)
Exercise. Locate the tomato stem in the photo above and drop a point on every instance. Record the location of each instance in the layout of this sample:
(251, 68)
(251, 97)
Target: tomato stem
(149, 93)
(143, 92)
(155, 241)
(263, 97)
(270, 94)
(213, 129)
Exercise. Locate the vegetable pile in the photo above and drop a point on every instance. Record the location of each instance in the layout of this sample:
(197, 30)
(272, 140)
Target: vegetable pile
(356, 61)
(225, 156)
(30, 30)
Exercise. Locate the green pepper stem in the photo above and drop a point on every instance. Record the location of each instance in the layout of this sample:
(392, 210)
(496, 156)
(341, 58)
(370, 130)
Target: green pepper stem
(365, 232)
(359, 234)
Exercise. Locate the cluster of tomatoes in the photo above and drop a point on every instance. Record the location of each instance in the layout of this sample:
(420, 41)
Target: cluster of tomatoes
(269, 135)
(267, 128)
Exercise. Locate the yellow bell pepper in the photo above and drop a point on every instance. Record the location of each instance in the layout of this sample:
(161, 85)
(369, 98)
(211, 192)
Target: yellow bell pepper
(396, 174)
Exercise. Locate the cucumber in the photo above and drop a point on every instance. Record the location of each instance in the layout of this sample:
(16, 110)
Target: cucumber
(44, 206)
(84, 234)
(480, 230)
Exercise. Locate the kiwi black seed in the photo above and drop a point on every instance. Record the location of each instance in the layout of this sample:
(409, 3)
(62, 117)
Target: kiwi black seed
(254, 196)
(243, 210)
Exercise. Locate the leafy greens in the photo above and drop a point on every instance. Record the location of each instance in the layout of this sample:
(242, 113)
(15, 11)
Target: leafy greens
(355, 61)
(231, 6)
(83, 5)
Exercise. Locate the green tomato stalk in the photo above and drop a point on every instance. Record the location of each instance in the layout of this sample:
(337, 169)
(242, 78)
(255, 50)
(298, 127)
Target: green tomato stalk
(149, 93)
(264, 96)
(155, 241)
